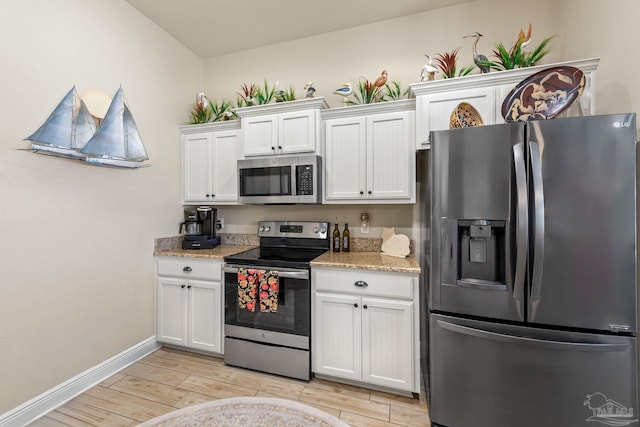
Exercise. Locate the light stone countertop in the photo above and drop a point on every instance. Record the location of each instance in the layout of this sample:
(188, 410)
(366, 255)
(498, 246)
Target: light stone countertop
(219, 252)
(375, 261)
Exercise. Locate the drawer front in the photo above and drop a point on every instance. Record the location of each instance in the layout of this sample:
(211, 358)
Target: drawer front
(190, 268)
(361, 282)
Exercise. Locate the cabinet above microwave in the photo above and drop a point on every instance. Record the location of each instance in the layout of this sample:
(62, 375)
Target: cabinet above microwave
(282, 128)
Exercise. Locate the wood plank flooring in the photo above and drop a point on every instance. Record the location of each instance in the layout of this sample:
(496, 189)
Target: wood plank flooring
(171, 379)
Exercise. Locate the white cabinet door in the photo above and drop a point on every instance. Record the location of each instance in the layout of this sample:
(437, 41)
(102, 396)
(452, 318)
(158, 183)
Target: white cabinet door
(260, 135)
(225, 148)
(196, 167)
(205, 318)
(297, 132)
(172, 311)
(336, 336)
(434, 111)
(390, 156)
(387, 343)
(345, 159)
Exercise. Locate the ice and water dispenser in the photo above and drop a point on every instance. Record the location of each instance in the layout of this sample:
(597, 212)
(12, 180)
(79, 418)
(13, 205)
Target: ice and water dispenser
(480, 246)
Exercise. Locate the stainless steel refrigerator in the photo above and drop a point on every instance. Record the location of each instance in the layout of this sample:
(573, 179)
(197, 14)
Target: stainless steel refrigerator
(533, 274)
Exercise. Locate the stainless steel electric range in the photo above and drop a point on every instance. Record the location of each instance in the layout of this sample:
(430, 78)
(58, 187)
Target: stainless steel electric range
(268, 299)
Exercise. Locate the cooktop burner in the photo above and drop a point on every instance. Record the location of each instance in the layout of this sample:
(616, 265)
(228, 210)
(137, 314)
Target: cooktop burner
(286, 244)
(275, 257)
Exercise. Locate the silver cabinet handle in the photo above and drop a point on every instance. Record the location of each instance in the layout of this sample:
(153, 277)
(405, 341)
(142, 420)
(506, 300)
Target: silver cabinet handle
(361, 284)
(187, 268)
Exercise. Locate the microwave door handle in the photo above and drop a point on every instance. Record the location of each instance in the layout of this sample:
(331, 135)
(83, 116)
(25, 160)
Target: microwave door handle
(522, 221)
(538, 206)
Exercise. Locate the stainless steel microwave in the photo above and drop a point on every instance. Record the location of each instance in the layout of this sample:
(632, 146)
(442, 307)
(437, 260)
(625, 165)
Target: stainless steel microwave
(280, 180)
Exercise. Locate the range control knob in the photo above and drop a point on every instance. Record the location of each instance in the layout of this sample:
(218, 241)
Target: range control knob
(323, 229)
(267, 228)
(261, 228)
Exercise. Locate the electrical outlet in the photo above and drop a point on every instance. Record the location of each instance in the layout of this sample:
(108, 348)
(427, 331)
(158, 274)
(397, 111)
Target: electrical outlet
(220, 223)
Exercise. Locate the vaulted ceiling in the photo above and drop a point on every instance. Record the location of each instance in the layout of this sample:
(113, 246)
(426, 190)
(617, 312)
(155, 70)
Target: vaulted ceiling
(217, 27)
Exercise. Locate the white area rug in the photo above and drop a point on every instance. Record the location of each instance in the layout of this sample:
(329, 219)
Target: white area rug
(246, 411)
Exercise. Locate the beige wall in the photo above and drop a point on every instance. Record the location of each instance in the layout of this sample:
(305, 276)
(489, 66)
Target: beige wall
(77, 275)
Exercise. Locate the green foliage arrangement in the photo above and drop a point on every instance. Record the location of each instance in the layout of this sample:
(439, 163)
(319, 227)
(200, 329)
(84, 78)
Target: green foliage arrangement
(367, 93)
(264, 94)
(517, 56)
(210, 111)
(448, 62)
(393, 91)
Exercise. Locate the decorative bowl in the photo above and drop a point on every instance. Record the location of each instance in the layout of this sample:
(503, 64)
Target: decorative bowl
(464, 115)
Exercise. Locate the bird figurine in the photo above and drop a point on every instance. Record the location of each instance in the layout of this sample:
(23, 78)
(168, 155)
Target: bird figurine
(202, 100)
(524, 40)
(428, 70)
(380, 81)
(310, 90)
(344, 90)
(479, 59)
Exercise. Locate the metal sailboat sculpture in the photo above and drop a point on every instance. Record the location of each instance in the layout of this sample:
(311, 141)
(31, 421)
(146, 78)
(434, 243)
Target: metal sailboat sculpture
(67, 130)
(117, 141)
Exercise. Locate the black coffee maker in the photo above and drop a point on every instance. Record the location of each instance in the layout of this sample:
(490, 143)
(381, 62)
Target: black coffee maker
(199, 228)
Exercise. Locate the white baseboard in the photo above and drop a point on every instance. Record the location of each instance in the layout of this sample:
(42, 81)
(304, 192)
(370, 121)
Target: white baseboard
(58, 395)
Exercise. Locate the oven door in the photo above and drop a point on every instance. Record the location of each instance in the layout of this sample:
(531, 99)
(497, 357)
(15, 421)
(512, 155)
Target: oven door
(289, 325)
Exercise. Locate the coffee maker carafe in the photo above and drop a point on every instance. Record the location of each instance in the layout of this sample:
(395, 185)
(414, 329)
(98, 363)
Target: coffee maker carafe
(199, 228)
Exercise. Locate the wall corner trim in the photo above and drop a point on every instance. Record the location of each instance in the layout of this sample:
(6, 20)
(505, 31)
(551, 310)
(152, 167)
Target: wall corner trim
(62, 393)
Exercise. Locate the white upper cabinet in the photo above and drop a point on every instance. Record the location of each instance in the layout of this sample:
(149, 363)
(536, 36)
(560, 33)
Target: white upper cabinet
(282, 128)
(435, 100)
(370, 153)
(209, 163)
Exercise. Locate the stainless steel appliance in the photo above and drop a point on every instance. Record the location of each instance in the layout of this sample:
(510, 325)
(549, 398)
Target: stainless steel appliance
(277, 341)
(199, 228)
(280, 180)
(533, 274)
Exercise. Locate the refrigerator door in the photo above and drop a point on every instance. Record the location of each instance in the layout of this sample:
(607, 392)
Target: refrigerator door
(487, 375)
(583, 223)
(478, 221)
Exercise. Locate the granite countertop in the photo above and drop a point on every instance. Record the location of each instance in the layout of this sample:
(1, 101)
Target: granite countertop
(219, 252)
(375, 261)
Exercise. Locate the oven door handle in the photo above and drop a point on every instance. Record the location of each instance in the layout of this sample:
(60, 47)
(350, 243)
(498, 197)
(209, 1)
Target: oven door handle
(284, 273)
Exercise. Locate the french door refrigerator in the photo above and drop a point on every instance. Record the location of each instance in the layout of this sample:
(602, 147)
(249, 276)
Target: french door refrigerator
(533, 275)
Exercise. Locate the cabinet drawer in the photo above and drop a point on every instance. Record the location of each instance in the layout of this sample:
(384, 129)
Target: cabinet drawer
(394, 285)
(190, 268)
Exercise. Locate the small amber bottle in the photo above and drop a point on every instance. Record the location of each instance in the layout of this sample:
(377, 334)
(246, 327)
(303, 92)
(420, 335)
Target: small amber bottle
(346, 238)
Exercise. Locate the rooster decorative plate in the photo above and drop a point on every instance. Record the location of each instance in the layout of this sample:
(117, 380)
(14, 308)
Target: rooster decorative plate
(544, 95)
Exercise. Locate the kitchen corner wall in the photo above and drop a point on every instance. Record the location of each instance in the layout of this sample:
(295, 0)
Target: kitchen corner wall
(77, 272)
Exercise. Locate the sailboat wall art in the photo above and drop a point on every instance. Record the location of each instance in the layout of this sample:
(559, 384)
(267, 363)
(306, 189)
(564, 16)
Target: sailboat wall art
(67, 130)
(116, 142)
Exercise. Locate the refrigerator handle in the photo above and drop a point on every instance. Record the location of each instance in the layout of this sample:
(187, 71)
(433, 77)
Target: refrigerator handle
(538, 231)
(535, 342)
(522, 220)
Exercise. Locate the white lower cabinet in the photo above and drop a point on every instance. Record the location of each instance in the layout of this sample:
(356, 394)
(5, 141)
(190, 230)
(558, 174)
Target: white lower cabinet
(365, 327)
(190, 310)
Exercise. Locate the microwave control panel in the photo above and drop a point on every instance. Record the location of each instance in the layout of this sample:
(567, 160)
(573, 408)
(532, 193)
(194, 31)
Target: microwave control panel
(304, 177)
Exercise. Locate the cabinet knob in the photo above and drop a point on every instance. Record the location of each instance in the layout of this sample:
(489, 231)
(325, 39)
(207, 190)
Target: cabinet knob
(369, 192)
(279, 147)
(355, 305)
(213, 195)
(273, 148)
(189, 287)
(207, 195)
(187, 268)
(361, 284)
(365, 306)
(361, 193)
(182, 286)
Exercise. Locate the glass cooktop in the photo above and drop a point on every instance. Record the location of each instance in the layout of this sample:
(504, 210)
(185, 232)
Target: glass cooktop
(276, 257)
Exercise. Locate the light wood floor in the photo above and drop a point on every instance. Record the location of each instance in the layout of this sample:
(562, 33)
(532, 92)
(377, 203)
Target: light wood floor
(170, 379)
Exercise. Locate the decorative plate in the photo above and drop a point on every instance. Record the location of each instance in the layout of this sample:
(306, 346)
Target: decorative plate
(544, 95)
(464, 115)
